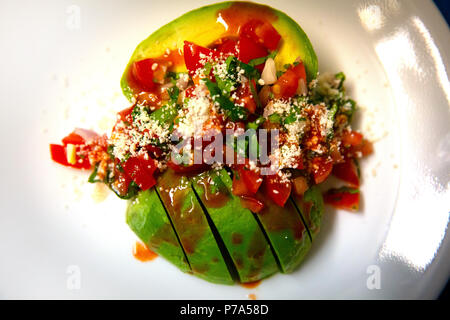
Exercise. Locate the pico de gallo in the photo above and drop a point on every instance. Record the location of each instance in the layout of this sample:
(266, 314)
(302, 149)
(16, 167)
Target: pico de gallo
(232, 84)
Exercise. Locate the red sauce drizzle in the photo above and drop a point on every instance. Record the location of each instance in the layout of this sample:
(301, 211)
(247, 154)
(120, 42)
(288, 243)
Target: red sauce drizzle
(251, 296)
(142, 253)
(251, 285)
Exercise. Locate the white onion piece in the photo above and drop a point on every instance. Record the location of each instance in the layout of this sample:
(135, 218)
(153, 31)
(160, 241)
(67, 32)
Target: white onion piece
(183, 81)
(302, 88)
(269, 74)
(87, 135)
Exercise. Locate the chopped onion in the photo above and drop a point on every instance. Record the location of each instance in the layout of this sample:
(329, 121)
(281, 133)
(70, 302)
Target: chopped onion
(269, 74)
(87, 135)
(302, 87)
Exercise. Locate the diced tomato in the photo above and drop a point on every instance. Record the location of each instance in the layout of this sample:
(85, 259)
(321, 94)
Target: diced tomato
(125, 115)
(228, 47)
(192, 56)
(321, 169)
(347, 172)
(365, 147)
(277, 190)
(239, 187)
(59, 155)
(141, 169)
(251, 203)
(251, 178)
(73, 138)
(263, 32)
(287, 85)
(244, 96)
(154, 151)
(342, 199)
(142, 71)
(122, 182)
(351, 138)
(249, 50)
(189, 93)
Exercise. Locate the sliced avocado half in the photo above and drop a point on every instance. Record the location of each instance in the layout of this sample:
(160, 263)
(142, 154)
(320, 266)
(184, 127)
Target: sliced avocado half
(286, 231)
(148, 219)
(240, 232)
(192, 227)
(311, 206)
(207, 24)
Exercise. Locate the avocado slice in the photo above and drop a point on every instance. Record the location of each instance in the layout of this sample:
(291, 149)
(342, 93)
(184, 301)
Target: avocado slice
(191, 225)
(207, 24)
(238, 228)
(148, 219)
(311, 206)
(286, 231)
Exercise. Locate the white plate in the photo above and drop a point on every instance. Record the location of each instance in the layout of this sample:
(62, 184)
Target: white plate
(60, 68)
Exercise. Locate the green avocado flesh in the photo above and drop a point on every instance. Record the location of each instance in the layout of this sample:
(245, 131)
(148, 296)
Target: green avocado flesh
(311, 207)
(286, 231)
(240, 232)
(191, 225)
(203, 26)
(147, 218)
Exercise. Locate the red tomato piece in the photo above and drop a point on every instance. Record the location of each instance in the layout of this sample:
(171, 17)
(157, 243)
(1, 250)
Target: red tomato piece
(59, 155)
(249, 50)
(244, 95)
(254, 205)
(347, 200)
(251, 178)
(277, 190)
(228, 47)
(239, 187)
(321, 169)
(140, 169)
(73, 138)
(189, 93)
(286, 85)
(351, 138)
(125, 115)
(347, 172)
(143, 73)
(122, 182)
(365, 147)
(195, 56)
(263, 32)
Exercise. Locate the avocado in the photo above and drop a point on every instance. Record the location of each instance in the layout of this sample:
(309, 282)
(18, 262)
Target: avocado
(286, 231)
(205, 25)
(190, 223)
(148, 219)
(238, 228)
(311, 207)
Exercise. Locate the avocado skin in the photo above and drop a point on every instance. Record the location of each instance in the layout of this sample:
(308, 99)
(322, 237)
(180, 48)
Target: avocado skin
(286, 231)
(240, 232)
(201, 27)
(311, 207)
(191, 225)
(148, 219)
